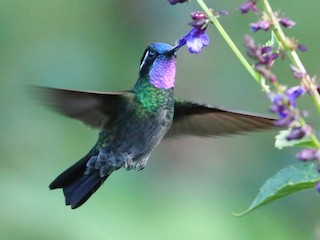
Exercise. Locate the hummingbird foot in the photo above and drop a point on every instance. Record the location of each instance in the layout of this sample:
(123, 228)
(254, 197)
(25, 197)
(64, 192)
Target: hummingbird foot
(104, 162)
(141, 164)
(128, 162)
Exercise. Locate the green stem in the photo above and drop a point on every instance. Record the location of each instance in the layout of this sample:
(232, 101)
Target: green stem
(283, 40)
(307, 81)
(214, 20)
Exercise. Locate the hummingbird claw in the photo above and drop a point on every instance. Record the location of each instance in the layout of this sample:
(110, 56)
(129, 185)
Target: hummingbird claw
(128, 162)
(141, 164)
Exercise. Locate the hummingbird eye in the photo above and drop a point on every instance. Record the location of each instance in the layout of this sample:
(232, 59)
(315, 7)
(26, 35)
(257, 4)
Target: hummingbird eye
(148, 57)
(151, 54)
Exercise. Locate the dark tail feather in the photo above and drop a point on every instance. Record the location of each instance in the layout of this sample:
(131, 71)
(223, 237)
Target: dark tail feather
(81, 190)
(77, 187)
(71, 174)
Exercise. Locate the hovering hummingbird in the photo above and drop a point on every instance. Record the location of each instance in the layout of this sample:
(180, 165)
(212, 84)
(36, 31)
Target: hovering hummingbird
(132, 123)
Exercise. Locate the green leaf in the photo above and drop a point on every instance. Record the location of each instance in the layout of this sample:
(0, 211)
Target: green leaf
(288, 180)
(273, 42)
(282, 142)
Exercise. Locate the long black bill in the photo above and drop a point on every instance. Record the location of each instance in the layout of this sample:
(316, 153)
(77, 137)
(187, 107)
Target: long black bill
(174, 50)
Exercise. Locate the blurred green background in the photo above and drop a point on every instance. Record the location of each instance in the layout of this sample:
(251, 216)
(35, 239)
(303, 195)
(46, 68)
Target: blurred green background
(191, 186)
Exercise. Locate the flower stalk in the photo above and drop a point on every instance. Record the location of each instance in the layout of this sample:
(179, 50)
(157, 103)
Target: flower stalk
(259, 76)
(307, 80)
(282, 97)
(214, 20)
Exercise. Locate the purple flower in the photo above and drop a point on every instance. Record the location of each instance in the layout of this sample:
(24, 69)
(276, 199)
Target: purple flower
(195, 40)
(260, 25)
(263, 55)
(318, 187)
(285, 121)
(298, 133)
(308, 154)
(200, 19)
(282, 104)
(297, 72)
(288, 23)
(266, 56)
(198, 15)
(318, 87)
(251, 4)
(293, 93)
(265, 72)
(173, 2)
(223, 13)
(278, 106)
(251, 46)
(302, 48)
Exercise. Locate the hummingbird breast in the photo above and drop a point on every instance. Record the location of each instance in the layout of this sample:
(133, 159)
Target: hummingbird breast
(131, 138)
(138, 135)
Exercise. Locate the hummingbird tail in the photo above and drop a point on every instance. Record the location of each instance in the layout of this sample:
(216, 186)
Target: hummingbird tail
(78, 187)
(81, 189)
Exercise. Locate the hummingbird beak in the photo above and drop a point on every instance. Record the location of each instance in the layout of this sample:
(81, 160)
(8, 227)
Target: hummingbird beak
(173, 50)
(176, 48)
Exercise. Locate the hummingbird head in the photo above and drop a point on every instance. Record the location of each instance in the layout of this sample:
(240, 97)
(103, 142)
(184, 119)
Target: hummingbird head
(158, 65)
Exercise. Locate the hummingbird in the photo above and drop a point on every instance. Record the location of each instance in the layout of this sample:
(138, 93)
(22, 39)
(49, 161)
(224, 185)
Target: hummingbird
(132, 123)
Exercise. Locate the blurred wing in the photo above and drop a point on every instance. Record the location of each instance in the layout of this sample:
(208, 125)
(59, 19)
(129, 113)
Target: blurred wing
(93, 108)
(205, 121)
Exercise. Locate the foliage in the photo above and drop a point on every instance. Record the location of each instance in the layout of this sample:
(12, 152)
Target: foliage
(282, 97)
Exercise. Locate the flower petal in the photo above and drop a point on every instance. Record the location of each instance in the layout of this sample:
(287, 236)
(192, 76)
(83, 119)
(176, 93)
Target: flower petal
(205, 39)
(195, 45)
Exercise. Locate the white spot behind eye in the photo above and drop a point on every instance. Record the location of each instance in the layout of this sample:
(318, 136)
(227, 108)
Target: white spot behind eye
(144, 59)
